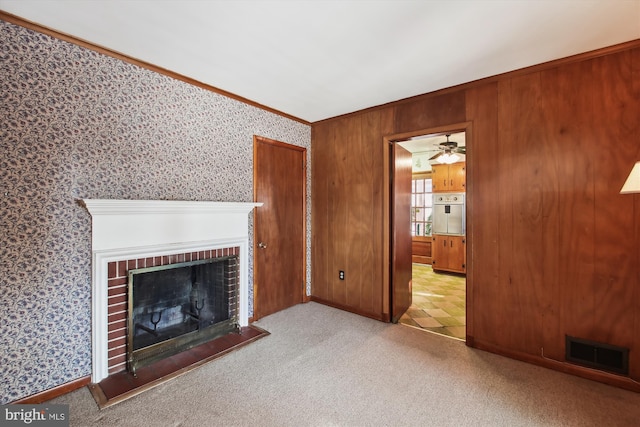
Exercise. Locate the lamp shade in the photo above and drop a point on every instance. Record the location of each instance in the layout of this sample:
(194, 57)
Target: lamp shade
(632, 184)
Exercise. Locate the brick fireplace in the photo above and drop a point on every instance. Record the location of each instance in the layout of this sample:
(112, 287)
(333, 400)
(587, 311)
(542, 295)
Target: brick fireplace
(134, 234)
(117, 310)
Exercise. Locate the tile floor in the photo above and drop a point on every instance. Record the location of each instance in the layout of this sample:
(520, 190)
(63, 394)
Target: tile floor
(438, 302)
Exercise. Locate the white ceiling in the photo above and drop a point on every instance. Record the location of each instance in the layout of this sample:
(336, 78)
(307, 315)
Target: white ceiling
(319, 59)
(430, 144)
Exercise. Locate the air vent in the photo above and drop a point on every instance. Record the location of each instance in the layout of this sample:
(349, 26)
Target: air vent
(596, 355)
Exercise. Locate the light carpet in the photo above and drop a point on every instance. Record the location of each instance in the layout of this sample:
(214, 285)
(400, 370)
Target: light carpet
(325, 367)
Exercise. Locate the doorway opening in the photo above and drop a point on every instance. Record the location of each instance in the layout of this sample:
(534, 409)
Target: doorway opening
(438, 302)
(437, 228)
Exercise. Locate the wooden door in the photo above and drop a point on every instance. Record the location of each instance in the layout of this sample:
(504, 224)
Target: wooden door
(279, 226)
(401, 220)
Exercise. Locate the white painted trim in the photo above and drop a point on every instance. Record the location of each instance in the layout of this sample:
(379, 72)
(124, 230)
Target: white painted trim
(160, 228)
(141, 207)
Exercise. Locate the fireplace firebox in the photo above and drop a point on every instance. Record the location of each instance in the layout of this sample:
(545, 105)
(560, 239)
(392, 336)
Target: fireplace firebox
(174, 307)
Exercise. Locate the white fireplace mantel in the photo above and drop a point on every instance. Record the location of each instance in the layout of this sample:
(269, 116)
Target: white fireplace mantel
(125, 229)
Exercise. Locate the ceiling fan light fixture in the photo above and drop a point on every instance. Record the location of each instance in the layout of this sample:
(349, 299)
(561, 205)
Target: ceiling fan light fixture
(448, 158)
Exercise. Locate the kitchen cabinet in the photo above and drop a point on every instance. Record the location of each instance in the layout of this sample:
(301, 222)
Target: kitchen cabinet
(449, 253)
(448, 178)
(421, 249)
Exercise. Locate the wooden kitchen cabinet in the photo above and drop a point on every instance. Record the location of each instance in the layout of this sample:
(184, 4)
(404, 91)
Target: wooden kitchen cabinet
(449, 253)
(449, 178)
(421, 249)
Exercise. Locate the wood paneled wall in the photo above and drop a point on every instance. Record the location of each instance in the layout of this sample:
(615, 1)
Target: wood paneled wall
(347, 225)
(554, 248)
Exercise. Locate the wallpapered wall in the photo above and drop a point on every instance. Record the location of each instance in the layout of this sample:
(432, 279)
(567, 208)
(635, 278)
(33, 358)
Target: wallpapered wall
(77, 124)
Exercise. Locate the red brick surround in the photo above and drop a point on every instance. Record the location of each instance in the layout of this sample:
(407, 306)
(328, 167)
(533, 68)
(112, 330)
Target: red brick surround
(117, 303)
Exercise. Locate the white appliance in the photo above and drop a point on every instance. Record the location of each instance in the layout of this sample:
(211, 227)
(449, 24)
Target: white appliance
(448, 213)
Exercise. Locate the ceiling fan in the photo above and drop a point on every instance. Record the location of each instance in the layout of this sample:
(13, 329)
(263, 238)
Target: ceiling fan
(448, 150)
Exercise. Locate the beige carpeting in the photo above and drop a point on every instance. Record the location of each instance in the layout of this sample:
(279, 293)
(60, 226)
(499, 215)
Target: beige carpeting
(325, 367)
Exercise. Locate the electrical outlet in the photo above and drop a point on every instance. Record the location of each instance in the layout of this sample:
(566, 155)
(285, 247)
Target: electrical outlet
(341, 275)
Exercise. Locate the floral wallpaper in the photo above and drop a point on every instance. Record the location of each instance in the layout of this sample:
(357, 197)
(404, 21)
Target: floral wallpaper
(77, 124)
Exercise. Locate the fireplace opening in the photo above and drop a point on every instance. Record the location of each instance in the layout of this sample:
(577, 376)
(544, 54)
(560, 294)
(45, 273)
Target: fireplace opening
(174, 307)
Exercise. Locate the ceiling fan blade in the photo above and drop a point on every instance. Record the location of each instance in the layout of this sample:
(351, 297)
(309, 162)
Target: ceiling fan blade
(461, 150)
(436, 156)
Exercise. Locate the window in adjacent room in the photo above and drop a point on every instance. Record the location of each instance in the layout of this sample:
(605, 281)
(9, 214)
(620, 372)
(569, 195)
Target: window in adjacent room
(421, 205)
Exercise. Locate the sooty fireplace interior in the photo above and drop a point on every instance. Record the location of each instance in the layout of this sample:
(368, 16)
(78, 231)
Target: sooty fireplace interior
(178, 306)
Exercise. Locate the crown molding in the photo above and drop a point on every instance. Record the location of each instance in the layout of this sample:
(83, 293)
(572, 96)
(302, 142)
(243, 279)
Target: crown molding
(16, 20)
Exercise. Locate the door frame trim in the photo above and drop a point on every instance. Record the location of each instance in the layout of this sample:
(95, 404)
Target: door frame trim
(388, 173)
(260, 139)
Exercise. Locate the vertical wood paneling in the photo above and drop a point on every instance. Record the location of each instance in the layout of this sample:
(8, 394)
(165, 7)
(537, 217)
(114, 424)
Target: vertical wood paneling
(572, 131)
(482, 281)
(349, 161)
(520, 212)
(524, 114)
(554, 246)
(568, 216)
(614, 130)
(553, 108)
(387, 117)
(430, 112)
(634, 366)
(320, 161)
(340, 187)
(360, 291)
(360, 251)
(504, 193)
(370, 294)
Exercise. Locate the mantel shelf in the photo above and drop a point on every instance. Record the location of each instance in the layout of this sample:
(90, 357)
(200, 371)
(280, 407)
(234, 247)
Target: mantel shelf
(133, 207)
(132, 229)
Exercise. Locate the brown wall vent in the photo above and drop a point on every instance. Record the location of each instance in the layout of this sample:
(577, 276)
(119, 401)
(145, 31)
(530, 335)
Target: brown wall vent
(596, 355)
